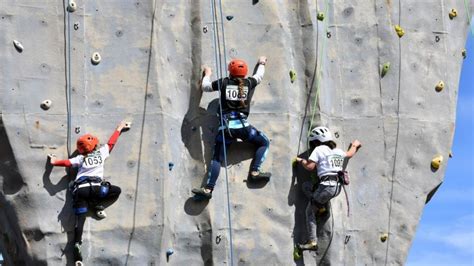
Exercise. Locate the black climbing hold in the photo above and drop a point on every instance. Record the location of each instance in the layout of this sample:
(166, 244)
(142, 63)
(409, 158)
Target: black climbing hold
(205, 29)
(254, 2)
(218, 239)
(77, 130)
(229, 18)
(437, 38)
(328, 34)
(170, 166)
(76, 26)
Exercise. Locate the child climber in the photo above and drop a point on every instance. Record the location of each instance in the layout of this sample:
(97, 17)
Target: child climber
(88, 188)
(329, 162)
(236, 93)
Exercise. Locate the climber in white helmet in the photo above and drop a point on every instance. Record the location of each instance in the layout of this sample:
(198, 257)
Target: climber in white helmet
(328, 160)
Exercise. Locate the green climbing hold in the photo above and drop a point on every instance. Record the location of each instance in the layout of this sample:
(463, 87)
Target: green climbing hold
(292, 76)
(385, 69)
(320, 16)
(297, 253)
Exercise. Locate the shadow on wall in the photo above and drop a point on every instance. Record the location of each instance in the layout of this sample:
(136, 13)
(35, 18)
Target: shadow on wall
(11, 179)
(296, 196)
(66, 216)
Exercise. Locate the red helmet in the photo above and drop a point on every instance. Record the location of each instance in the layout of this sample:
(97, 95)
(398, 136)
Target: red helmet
(86, 143)
(238, 68)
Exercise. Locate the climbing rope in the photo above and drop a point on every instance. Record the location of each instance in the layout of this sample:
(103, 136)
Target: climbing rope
(398, 132)
(142, 132)
(218, 64)
(468, 14)
(67, 53)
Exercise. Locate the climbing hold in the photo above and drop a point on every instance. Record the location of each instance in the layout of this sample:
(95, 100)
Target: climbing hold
(399, 30)
(440, 86)
(328, 34)
(46, 104)
(450, 154)
(77, 130)
(229, 18)
(170, 166)
(71, 7)
(346, 240)
(76, 26)
(204, 29)
(95, 58)
(437, 38)
(464, 53)
(320, 16)
(453, 13)
(218, 239)
(169, 252)
(292, 76)
(385, 69)
(128, 125)
(436, 162)
(18, 46)
(384, 237)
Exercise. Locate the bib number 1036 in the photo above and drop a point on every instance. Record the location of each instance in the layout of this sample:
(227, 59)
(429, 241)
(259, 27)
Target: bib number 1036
(232, 93)
(336, 161)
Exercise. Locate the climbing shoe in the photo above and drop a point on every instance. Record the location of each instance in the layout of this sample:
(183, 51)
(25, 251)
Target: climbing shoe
(311, 245)
(259, 176)
(77, 252)
(205, 192)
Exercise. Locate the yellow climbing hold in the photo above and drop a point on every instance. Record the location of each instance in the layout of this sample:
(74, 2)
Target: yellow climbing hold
(385, 69)
(440, 86)
(436, 162)
(464, 53)
(384, 237)
(292, 76)
(320, 16)
(453, 13)
(399, 30)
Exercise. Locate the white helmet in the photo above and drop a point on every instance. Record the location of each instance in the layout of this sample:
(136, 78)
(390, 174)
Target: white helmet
(320, 133)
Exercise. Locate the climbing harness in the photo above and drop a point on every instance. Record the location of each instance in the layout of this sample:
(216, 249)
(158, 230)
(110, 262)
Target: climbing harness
(218, 63)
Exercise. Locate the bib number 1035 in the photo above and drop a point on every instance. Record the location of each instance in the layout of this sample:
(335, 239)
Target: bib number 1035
(232, 93)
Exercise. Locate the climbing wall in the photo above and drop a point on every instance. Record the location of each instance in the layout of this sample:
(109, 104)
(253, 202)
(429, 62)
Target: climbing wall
(151, 53)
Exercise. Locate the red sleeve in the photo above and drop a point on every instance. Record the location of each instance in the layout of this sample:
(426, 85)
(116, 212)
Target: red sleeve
(113, 139)
(65, 163)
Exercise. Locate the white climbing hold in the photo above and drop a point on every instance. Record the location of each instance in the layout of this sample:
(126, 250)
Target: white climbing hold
(453, 13)
(46, 104)
(18, 46)
(71, 7)
(96, 58)
(128, 125)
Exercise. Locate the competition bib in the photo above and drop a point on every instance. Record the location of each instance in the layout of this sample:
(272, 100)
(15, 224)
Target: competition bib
(232, 93)
(335, 161)
(93, 160)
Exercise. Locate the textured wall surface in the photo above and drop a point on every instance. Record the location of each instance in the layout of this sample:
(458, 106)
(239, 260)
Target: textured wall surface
(152, 52)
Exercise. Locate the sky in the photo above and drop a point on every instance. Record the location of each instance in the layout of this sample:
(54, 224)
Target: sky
(445, 235)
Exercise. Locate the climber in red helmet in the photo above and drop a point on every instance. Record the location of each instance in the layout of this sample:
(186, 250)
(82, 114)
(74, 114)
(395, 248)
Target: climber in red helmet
(236, 93)
(88, 188)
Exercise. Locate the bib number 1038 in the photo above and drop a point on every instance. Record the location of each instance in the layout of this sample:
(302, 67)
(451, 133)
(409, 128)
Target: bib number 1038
(232, 93)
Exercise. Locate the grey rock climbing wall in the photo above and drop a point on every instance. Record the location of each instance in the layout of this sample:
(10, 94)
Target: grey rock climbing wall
(151, 56)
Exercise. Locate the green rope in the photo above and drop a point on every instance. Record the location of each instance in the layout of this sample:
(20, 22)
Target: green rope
(318, 76)
(468, 14)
